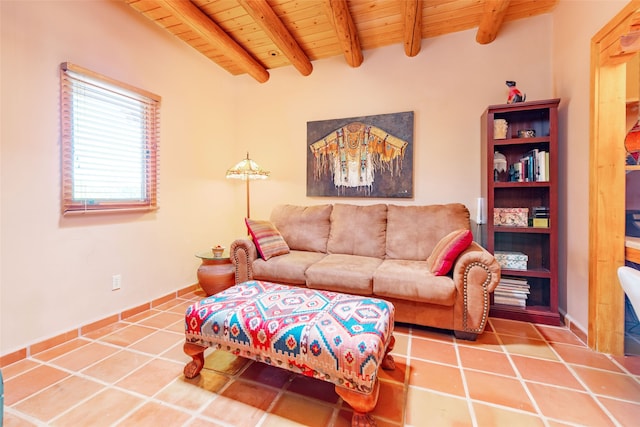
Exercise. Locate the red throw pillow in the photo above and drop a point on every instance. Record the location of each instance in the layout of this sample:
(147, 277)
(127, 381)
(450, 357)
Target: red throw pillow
(268, 240)
(447, 250)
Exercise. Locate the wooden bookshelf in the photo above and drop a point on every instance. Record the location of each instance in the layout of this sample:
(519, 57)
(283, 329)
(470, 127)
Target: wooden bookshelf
(512, 190)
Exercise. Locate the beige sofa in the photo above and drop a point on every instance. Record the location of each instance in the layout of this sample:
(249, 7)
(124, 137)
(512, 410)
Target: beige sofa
(386, 251)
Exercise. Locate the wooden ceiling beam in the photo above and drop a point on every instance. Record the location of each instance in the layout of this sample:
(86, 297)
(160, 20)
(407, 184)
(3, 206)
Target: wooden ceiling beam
(338, 13)
(187, 13)
(412, 28)
(267, 19)
(492, 17)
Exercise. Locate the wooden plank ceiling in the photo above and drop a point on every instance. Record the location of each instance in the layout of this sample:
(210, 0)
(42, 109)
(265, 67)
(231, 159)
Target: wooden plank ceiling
(254, 36)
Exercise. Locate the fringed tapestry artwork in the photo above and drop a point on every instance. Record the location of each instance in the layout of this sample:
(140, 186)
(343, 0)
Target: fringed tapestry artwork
(369, 156)
(334, 337)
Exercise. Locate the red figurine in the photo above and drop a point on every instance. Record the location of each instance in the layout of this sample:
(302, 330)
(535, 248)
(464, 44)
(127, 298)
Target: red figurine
(514, 94)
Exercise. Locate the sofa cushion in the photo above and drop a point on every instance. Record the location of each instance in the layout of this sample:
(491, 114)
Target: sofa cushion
(352, 274)
(413, 281)
(414, 231)
(304, 228)
(447, 250)
(267, 238)
(358, 230)
(287, 269)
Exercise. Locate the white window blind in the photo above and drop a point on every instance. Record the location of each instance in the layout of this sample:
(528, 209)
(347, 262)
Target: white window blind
(110, 141)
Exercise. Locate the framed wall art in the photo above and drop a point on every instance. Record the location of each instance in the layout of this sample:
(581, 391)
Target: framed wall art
(368, 156)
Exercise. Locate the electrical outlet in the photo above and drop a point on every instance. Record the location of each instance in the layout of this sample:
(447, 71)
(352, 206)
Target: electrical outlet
(116, 281)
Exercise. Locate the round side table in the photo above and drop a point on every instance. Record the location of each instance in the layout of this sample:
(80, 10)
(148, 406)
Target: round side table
(215, 274)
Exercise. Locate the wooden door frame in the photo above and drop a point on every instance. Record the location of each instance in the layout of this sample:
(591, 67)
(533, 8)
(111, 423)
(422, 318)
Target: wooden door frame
(610, 52)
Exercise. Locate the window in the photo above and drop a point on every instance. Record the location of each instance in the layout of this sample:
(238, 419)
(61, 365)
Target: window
(110, 137)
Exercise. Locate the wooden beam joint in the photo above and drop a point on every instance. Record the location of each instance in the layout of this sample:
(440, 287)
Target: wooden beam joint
(412, 33)
(345, 28)
(267, 19)
(189, 14)
(492, 18)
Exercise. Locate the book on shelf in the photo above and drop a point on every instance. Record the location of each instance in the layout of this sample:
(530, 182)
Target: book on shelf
(512, 290)
(515, 293)
(517, 302)
(533, 166)
(531, 162)
(543, 166)
(540, 216)
(513, 280)
(540, 212)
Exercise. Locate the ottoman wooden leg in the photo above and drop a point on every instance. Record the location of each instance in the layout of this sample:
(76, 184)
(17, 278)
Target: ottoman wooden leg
(388, 363)
(193, 368)
(362, 404)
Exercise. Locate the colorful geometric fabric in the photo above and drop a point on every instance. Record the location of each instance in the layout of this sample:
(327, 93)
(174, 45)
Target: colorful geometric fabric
(334, 337)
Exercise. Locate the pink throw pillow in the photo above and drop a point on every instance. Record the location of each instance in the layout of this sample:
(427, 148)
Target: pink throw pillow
(268, 240)
(447, 250)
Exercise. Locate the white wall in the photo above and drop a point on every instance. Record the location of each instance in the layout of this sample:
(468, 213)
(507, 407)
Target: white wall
(574, 24)
(56, 272)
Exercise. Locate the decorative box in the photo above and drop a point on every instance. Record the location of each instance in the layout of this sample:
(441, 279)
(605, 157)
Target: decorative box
(511, 260)
(541, 222)
(511, 217)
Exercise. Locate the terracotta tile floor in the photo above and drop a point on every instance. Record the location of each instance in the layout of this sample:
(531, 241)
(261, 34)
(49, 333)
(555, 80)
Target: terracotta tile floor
(130, 374)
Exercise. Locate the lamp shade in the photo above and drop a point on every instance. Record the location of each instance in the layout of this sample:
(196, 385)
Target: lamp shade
(247, 169)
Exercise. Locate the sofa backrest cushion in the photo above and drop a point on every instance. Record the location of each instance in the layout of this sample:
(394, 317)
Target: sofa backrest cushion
(414, 231)
(358, 230)
(304, 228)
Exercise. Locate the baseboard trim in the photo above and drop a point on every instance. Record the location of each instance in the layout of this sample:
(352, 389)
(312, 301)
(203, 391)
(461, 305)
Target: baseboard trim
(574, 327)
(48, 343)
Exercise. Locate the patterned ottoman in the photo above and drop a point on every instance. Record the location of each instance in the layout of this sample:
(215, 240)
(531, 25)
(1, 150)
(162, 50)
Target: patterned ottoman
(338, 338)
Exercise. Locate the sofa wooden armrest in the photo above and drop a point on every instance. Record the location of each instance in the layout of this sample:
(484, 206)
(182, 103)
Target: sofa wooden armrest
(242, 253)
(476, 274)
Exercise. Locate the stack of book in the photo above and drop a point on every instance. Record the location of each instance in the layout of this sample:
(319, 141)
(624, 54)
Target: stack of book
(511, 291)
(540, 216)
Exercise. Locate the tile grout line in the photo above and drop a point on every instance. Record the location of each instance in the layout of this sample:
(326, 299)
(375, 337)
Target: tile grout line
(71, 373)
(580, 381)
(113, 385)
(407, 375)
(197, 414)
(465, 384)
(623, 368)
(518, 375)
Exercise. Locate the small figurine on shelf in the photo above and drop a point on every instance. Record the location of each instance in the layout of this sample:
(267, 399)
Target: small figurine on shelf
(514, 94)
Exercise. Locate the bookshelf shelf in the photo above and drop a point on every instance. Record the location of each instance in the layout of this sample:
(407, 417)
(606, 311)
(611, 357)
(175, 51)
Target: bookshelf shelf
(532, 230)
(520, 141)
(529, 182)
(521, 184)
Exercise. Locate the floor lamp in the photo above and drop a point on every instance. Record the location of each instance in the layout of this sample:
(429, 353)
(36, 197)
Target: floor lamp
(247, 170)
